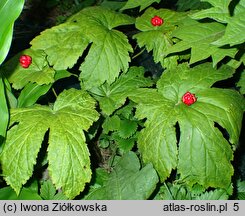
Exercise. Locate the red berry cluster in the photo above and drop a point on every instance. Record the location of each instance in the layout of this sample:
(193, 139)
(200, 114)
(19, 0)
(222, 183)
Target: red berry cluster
(189, 98)
(156, 21)
(25, 61)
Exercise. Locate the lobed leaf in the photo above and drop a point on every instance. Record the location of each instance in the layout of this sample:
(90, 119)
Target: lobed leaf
(108, 54)
(204, 154)
(68, 156)
(157, 38)
(22, 144)
(99, 19)
(234, 33)
(108, 44)
(106, 59)
(201, 42)
(111, 97)
(219, 12)
(38, 72)
(63, 44)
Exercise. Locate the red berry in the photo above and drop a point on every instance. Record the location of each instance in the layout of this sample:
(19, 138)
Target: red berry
(156, 21)
(189, 98)
(25, 61)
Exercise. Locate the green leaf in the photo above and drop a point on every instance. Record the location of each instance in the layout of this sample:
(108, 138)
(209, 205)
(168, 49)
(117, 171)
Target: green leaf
(234, 33)
(124, 144)
(91, 25)
(48, 192)
(60, 74)
(204, 154)
(4, 113)
(7, 193)
(200, 42)
(111, 124)
(241, 82)
(157, 38)
(60, 196)
(171, 20)
(127, 128)
(110, 55)
(217, 194)
(108, 43)
(173, 192)
(184, 5)
(63, 45)
(31, 93)
(127, 181)
(113, 96)
(112, 4)
(38, 72)
(68, 156)
(136, 3)
(9, 12)
(241, 190)
(219, 12)
(10, 97)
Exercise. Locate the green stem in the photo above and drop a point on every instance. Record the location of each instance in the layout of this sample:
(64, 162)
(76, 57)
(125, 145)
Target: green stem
(55, 94)
(136, 55)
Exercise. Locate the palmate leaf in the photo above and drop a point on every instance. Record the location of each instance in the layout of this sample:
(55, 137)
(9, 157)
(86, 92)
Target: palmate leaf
(68, 156)
(157, 38)
(219, 12)
(127, 181)
(63, 45)
(204, 154)
(108, 54)
(38, 72)
(136, 3)
(200, 41)
(111, 97)
(234, 33)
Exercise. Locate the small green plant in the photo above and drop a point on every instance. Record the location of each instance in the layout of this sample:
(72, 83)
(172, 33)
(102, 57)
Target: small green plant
(119, 132)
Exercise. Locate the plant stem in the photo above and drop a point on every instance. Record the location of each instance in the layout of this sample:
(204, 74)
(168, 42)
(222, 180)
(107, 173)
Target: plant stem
(55, 94)
(136, 55)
